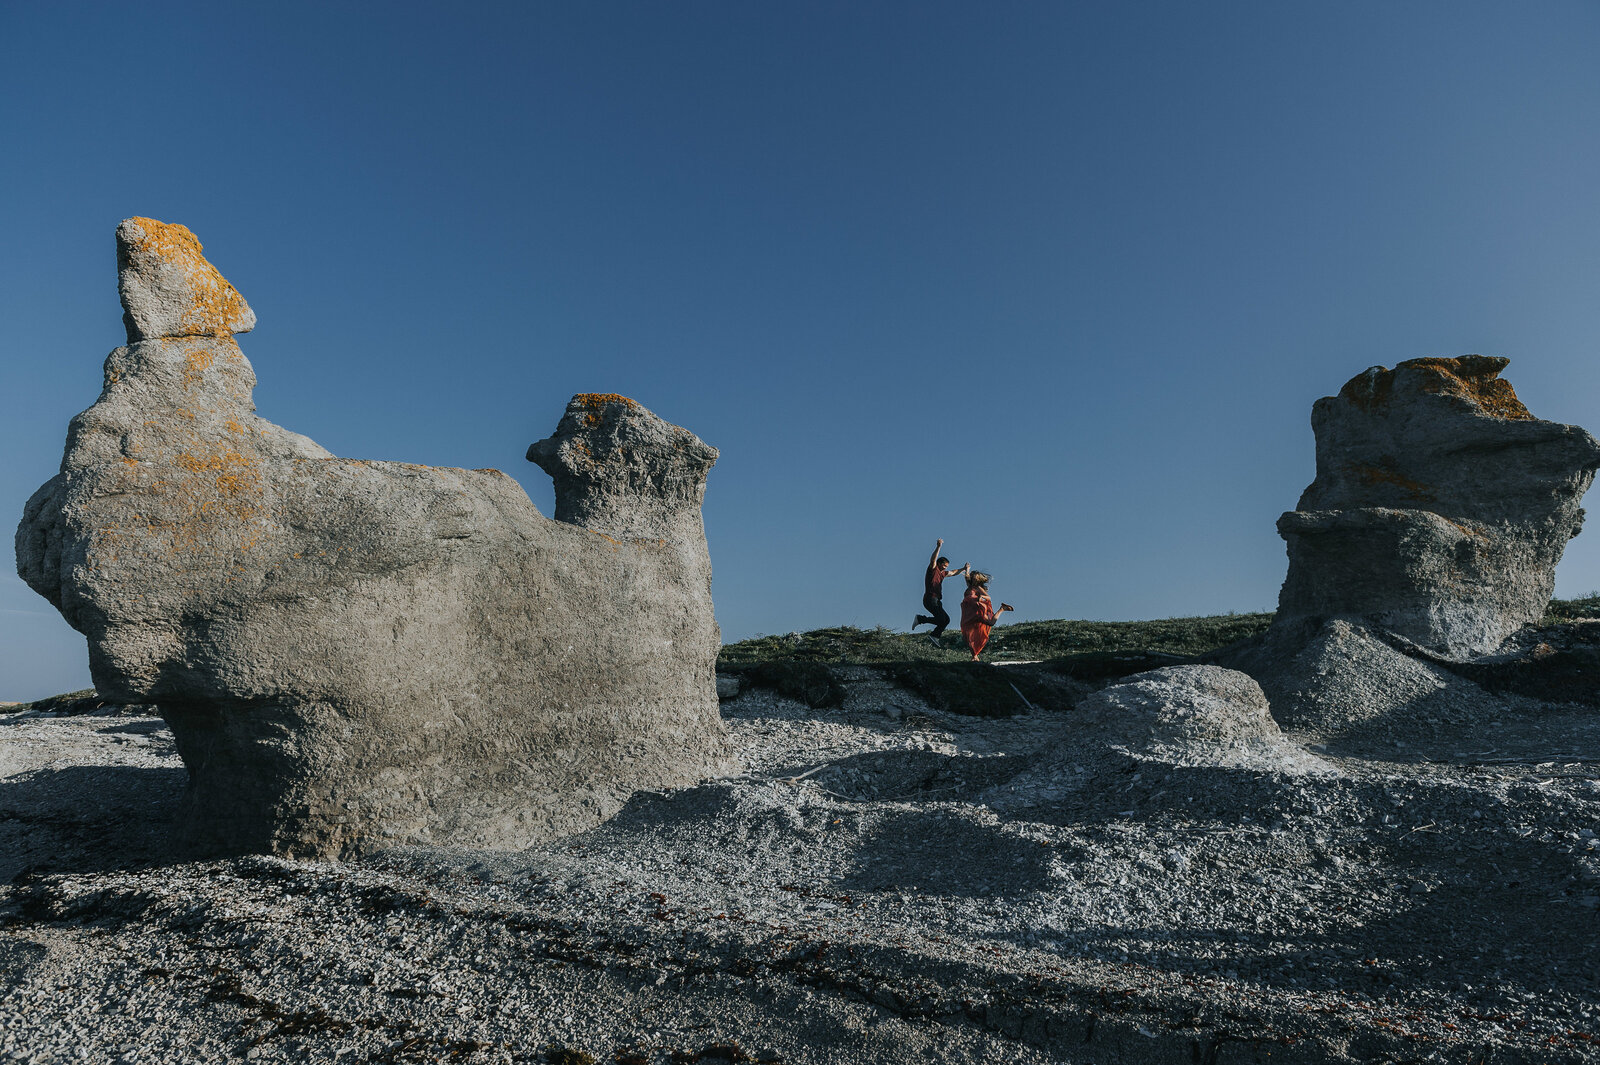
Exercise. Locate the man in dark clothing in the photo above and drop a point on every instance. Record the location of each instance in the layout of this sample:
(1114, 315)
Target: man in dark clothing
(933, 592)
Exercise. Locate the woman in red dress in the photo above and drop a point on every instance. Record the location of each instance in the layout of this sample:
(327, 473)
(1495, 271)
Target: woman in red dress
(978, 614)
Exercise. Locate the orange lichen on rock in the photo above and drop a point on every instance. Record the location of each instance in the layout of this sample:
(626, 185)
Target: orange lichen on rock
(191, 297)
(222, 498)
(1474, 378)
(196, 361)
(595, 402)
(1375, 474)
(1370, 390)
(171, 241)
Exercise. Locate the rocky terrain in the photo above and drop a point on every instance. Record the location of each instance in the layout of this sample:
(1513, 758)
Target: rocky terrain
(1361, 829)
(879, 881)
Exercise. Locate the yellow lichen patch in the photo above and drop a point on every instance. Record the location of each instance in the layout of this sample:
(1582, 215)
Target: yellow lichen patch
(167, 240)
(1369, 391)
(595, 402)
(1474, 378)
(213, 505)
(234, 473)
(202, 506)
(1370, 474)
(215, 305)
(233, 426)
(196, 361)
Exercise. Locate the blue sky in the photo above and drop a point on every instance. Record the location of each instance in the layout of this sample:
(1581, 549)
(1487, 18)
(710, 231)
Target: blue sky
(1057, 282)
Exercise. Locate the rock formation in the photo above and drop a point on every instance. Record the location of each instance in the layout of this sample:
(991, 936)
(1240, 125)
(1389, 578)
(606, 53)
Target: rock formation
(619, 469)
(354, 653)
(1440, 507)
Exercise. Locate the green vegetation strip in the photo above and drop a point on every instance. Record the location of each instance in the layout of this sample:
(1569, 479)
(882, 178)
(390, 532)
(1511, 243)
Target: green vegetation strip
(1038, 640)
(1026, 640)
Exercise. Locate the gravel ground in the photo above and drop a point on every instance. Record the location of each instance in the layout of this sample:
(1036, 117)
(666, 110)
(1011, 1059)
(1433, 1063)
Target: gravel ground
(882, 883)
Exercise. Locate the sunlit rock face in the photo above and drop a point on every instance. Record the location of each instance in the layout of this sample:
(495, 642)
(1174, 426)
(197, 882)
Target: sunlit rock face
(1440, 507)
(355, 653)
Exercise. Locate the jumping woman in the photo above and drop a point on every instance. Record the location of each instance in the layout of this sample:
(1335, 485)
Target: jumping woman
(978, 614)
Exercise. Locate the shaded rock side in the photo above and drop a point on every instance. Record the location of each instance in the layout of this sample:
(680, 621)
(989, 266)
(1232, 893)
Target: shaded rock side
(1346, 681)
(353, 653)
(1439, 510)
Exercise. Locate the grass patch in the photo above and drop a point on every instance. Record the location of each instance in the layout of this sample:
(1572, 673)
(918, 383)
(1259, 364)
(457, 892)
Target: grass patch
(797, 665)
(79, 702)
(1088, 647)
(1585, 606)
(1045, 640)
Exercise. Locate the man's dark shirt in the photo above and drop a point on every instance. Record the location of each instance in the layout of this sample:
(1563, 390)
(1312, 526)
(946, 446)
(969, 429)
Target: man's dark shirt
(932, 581)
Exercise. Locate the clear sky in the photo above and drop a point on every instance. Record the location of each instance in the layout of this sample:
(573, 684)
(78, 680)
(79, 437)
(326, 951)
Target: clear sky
(1056, 281)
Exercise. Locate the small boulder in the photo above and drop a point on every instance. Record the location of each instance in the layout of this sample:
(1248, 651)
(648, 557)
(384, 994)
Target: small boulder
(1198, 716)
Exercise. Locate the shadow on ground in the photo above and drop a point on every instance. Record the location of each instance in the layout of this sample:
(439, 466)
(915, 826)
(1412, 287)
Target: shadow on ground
(82, 819)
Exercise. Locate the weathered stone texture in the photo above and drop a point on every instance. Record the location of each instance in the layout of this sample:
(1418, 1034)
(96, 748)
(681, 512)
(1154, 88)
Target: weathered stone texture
(1440, 507)
(350, 652)
(619, 469)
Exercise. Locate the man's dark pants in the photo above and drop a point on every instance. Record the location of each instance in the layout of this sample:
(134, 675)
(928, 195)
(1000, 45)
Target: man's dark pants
(936, 615)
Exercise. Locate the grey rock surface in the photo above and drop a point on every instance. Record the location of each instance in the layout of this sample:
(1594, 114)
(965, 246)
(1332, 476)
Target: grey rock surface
(356, 653)
(1360, 684)
(620, 470)
(1439, 510)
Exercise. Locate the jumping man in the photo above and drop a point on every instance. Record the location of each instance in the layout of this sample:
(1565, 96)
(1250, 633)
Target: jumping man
(933, 592)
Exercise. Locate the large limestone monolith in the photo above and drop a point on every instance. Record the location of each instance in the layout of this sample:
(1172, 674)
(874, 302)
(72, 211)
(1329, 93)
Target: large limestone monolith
(355, 653)
(1439, 510)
